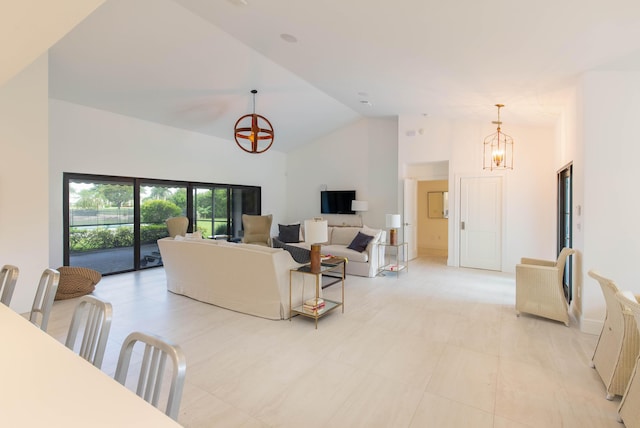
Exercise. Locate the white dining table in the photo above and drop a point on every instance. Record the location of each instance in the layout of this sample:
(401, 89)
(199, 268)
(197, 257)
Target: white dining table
(45, 384)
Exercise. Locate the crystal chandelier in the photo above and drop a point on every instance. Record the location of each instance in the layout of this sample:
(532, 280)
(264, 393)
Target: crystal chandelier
(498, 148)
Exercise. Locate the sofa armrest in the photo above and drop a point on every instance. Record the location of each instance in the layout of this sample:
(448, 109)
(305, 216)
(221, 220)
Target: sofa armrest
(376, 254)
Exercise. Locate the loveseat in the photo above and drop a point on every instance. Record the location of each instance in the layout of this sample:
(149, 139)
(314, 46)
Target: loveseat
(360, 263)
(246, 278)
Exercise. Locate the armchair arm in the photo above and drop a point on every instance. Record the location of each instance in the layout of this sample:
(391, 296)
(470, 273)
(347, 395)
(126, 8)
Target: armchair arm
(532, 269)
(537, 279)
(539, 292)
(536, 262)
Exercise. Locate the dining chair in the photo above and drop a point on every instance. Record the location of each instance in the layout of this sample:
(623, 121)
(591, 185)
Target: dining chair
(92, 320)
(539, 288)
(629, 411)
(8, 278)
(617, 349)
(152, 369)
(43, 301)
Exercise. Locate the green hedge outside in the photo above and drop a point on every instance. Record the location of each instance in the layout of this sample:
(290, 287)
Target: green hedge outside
(98, 239)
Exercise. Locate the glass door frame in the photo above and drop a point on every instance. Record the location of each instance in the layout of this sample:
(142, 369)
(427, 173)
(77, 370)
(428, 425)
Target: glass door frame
(565, 224)
(137, 183)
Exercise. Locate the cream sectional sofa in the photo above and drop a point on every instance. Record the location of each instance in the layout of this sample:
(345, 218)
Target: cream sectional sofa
(247, 278)
(364, 263)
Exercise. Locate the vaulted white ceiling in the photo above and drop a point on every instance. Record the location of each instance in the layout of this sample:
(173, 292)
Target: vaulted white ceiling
(192, 63)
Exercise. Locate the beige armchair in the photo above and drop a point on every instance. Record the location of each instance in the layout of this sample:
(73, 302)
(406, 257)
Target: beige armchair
(539, 287)
(629, 411)
(257, 229)
(617, 349)
(177, 226)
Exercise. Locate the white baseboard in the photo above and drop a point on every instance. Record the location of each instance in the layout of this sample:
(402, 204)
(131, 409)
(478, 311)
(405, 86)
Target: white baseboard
(433, 252)
(586, 325)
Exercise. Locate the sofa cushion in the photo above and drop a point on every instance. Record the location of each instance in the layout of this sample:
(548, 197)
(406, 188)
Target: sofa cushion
(343, 251)
(343, 235)
(289, 233)
(189, 236)
(376, 233)
(360, 242)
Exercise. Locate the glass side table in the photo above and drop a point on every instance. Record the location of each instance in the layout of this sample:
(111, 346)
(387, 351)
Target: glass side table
(401, 258)
(335, 264)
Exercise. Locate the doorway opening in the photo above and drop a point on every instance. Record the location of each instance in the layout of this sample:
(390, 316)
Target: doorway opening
(433, 218)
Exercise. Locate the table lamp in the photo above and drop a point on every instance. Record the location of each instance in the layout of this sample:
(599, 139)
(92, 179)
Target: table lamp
(359, 207)
(315, 232)
(393, 223)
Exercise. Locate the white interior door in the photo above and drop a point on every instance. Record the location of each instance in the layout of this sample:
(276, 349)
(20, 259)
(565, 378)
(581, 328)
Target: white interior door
(481, 222)
(410, 214)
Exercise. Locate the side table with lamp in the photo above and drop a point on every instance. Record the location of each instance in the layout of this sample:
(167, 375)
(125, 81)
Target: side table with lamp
(393, 222)
(316, 233)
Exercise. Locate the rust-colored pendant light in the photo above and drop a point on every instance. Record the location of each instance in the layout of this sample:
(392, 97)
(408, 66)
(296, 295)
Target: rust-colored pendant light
(253, 133)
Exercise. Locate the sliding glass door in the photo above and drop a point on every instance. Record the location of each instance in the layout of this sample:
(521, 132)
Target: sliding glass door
(218, 209)
(210, 211)
(100, 214)
(158, 202)
(565, 224)
(112, 224)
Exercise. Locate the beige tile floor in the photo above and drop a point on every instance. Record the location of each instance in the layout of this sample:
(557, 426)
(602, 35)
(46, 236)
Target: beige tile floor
(436, 347)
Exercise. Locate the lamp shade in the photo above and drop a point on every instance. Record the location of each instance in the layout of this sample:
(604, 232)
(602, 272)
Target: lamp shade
(359, 205)
(315, 231)
(394, 220)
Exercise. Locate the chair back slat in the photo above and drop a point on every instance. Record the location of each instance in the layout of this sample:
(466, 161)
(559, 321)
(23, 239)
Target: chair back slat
(8, 279)
(43, 300)
(150, 377)
(93, 316)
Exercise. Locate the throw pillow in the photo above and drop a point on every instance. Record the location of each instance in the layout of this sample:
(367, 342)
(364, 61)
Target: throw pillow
(289, 233)
(360, 242)
(343, 235)
(300, 255)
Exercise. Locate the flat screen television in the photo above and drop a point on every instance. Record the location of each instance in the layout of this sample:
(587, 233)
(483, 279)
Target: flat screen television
(337, 201)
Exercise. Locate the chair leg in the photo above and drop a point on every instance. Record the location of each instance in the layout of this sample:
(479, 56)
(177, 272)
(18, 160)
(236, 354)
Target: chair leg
(620, 419)
(610, 396)
(592, 364)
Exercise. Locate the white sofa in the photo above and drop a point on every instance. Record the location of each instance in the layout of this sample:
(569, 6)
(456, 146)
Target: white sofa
(364, 263)
(247, 278)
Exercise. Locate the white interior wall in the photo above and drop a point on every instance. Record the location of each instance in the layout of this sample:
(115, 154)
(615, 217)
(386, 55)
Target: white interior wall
(18, 22)
(529, 189)
(610, 130)
(87, 140)
(24, 195)
(360, 156)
